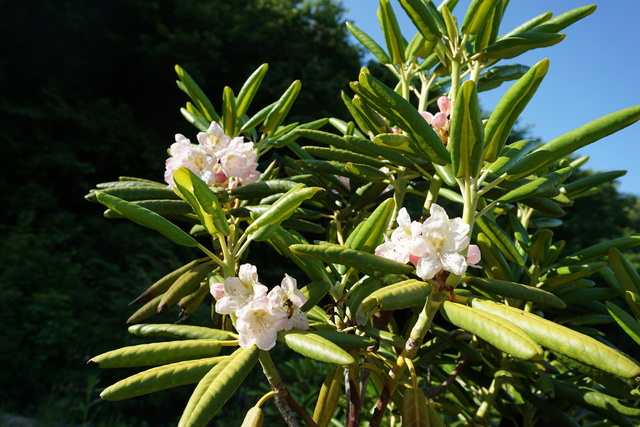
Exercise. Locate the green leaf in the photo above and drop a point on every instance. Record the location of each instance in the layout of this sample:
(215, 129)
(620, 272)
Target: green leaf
(519, 291)
(369, 43)
(186, 284)
(408, 293)
(422, 18)
(466, 135)
(282, 209)
(158, 353)
(603, 404)
(503, 335)
(539, 186)
(190, 115)
(167, 208)
(572, 141)
(414, 408)
(203, 200)
(160, 378)
(564, 340)
(281, 108)
(476, 16)
(282, 240)
(217, 387)
(633, 300)
(343, 156)
(229, 112)
(196, 94)
(172, 330)
(493, 261)
(345, 340)
(494, 77)
(147, 218)
(362, 261)
(328, 397)
(528, 25)
(391, 31)
(368, 236)
(249, 90)
(506, 113)
(134, 191)
(630, 325)
(562, 21)
(314, 346)
(600, 249)
(489, 28)
(575, 188)
(517, 44)
(161, 286)
(254, 417)
(624, 271)
(395, 108)
(501, 240)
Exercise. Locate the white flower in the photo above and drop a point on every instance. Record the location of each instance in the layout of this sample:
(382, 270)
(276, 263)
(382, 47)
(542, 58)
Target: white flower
(258, 323)
(440, 243)
(288, 299)
(239, 291)
(398, 246)
(432, 246)
(217, 159)
(193, 157)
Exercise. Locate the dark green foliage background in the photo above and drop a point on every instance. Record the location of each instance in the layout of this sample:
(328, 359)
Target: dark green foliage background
(88, 93)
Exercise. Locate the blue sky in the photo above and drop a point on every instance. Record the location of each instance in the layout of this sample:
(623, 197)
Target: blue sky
(593, 72)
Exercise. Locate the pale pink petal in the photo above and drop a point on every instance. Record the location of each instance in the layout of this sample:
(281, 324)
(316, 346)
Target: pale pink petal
(444, 104)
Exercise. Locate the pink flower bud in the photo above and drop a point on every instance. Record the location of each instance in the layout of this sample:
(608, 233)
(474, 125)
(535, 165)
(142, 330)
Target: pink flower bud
(444, 104)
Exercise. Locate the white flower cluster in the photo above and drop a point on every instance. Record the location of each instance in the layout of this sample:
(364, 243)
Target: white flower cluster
(218, 159)
(432, 246)
(260, 313)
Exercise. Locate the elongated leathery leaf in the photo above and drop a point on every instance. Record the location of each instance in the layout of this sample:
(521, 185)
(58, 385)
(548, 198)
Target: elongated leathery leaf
(249, 89)
(408, 293)
(282, 209)
(422, 18)
(203, 200)
(157, 353)
(161, 286)
(511, 154)
(254, 417)
(370, 234)
(359, 260)
(504, 335)
(369, 43)
(519, 291)
(572, 141)
(601, 403)
(587, 183)
(624, 271)
(543, 184)
(328, 397)
(179, 331)
(509, 108)
(517, 44)
(414, 408)
(562, 21)
(630, 325)
(633, 300)
(600, 249)
(501, 239)
(476, 15)
(314, 346)
(217, 386)
(132, 193)
(191, 88)
(160, 378)
(395, 108)
(281, 108)
(391, 31)
(147, 218)
(564, 340)
(186, 284)
(466, 135)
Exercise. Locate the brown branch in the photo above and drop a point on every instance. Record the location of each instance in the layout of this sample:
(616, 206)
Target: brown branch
(433, 392)
(283, 393)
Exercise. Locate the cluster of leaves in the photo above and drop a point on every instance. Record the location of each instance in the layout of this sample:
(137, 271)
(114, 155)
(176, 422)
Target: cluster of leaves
(517, 341)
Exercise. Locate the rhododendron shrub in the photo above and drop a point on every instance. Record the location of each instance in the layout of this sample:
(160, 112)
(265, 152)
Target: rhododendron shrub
(417, 243)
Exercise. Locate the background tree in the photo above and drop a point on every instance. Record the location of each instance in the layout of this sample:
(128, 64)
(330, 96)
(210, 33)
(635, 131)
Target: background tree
(88, 87)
